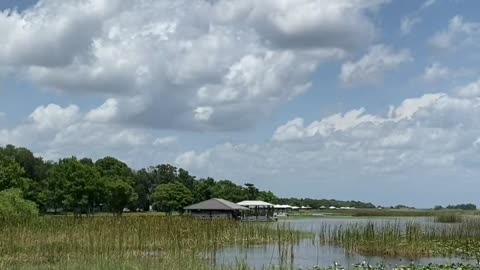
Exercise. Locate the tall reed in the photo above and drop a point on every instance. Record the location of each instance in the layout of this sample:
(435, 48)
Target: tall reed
(409, 239)
(163, 242)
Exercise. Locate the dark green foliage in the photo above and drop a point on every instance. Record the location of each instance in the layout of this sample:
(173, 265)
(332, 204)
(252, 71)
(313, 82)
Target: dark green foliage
(11, 174)
(228, 190)
(267, 196)
(80, 184)
(110, 166)
(144, 189)
(203, 189)
(172, 197)
(252, 191)
(119, 193)
(24, 171)
(468, 206)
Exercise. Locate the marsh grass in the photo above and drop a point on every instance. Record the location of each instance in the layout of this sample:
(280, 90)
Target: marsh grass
(449, 218)
(130, 242)
(407, 239)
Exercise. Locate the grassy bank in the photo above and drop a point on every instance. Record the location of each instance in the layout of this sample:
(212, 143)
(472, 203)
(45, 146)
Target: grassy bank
(130, 242)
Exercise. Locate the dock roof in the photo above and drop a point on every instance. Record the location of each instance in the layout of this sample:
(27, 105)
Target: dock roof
(215, 204)
(255, 203)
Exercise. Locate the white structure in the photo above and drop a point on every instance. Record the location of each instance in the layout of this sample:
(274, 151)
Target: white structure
(258, 210)
(281, 210)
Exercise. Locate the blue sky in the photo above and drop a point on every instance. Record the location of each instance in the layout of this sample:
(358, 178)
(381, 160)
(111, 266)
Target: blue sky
(350, 99)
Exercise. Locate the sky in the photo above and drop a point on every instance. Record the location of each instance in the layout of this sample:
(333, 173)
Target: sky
(371, 100)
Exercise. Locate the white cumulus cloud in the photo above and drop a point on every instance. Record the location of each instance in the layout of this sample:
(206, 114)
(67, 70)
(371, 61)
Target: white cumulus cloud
(161, 64)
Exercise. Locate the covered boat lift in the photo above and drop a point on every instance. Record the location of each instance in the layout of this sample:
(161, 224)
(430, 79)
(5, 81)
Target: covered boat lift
(258, 211)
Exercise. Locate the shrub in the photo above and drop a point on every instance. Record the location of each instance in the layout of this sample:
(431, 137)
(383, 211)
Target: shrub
(13, 206)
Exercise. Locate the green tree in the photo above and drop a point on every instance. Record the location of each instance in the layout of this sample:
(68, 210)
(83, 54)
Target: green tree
(204, 189)
(110, 166)
(172, 197)
(13, 206)
(267, 196)
(35, 172)
(11, 175)
(185, 178)
(228, 190)
(82, 189)
(468, 206)
(119, 193)
(252, 191)
(163, 174)
(35, 168)
(144, 189)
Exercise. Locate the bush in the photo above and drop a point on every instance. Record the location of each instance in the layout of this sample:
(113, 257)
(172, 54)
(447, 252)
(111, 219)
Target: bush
(14, 207)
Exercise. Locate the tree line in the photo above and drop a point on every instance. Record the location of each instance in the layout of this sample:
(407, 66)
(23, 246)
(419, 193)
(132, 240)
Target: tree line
(319, 203)
(84, 186)
(467, 206)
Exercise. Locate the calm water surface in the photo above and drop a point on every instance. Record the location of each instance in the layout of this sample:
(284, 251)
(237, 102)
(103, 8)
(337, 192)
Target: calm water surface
(307, 253)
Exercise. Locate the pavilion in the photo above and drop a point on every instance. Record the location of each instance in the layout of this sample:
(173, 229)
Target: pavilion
(216, 209)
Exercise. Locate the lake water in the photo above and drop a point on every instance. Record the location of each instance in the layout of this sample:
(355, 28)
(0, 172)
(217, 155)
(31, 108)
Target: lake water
(307, 253)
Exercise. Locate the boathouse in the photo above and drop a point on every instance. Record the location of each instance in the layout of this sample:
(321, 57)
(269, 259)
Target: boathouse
(216, 209)
(258, 211)
(281, 210)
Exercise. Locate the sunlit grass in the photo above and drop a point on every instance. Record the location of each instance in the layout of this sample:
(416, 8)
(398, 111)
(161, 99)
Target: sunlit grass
(130, 242)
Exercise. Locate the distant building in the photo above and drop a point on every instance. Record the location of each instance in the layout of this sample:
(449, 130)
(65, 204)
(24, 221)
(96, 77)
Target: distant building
(281, 210)
(216, 209)
(258, 211)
